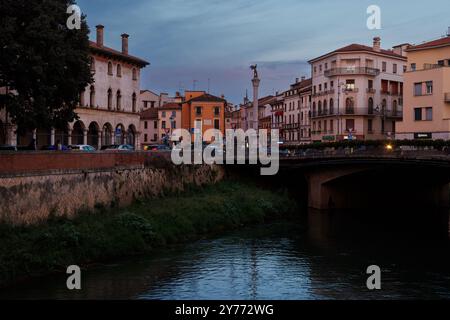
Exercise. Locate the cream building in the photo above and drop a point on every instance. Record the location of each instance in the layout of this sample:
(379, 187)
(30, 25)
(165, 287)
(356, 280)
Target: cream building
(357, 92)
(427, 92)
(109, 107)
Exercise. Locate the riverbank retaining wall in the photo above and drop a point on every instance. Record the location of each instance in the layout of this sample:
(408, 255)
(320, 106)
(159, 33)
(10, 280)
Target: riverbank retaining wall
(36, 186)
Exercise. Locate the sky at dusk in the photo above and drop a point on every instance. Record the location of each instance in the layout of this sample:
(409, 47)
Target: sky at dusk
(187, 40)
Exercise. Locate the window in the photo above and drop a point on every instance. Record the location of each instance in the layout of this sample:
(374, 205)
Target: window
(429, 85)
(110, 99)
(174, 114)
(370, 84)
(155, 124)
(418, 89)
(370, 125)
(384, 66)
(405, 68)
(92, 97)
(134, 74)
(370, 106)
(163, 125)
(413, 67)
(174, 124)
(331, 106)
(331, 126)
(217, 124)
(133, 102)
(394, 68)
(119, 70)
(332, 84)
(441, 63)
(429, 114)
(417, 114)
(118, 100)
(163, 114)
(350, 85)
(350, 125)
(145, 124)
(155, 137)
(110, 68)
(92, 65)
(198, 111)
(145, 137)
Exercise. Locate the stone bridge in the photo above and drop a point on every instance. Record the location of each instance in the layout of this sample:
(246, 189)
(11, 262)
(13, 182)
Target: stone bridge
(373, 179)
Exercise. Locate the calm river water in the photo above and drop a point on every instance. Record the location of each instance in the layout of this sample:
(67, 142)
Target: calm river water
(321, 256)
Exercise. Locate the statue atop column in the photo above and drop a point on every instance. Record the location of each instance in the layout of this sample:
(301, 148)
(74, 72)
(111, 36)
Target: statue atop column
(255, 71)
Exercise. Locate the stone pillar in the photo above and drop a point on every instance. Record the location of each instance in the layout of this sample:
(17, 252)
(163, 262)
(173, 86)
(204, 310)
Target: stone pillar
(52, 137)
(69, 137)
(11, 135)
(255, 82)
(137, 141)
(85, 133)
(100, 139)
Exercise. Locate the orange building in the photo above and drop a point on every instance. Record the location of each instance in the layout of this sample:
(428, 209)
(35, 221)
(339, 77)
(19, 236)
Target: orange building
(427, 92)
(203, 111)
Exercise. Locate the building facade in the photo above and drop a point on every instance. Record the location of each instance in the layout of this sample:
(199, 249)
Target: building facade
(427, 92)
(203, 111)
(149, 127)
(169, 119)
(109, 108)
(357, 93)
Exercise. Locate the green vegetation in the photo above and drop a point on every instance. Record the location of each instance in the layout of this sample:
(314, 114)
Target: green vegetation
(112, 233)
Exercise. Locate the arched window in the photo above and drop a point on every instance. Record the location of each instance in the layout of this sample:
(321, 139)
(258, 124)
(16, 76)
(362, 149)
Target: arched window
(92, 97)
(370, 106)
(118, 100)
(133, 104)
(82, 98)
(325, 107)
(394, 107)
(314, 109)
(134, 74)
(349, 106)
(383, 105)
(319, 107)
(109, 99)
(119, 70)
(331, 106)
(92, 65)
(110, 68)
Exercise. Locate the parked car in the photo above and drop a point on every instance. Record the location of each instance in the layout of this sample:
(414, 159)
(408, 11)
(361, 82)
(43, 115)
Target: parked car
(82, 147)
(8, 148)
(160, 147)
(118, 147)
(55, 148)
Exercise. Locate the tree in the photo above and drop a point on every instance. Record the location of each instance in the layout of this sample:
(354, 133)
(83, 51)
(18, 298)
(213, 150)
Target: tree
(43, 64)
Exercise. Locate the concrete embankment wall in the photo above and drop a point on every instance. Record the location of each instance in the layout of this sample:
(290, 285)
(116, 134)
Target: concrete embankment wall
(35, 186)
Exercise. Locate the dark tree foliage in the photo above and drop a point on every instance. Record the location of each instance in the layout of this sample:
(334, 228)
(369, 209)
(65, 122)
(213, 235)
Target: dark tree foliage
(44, 64)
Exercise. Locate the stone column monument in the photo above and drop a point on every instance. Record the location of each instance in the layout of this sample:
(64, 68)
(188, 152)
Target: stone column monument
(255, 81)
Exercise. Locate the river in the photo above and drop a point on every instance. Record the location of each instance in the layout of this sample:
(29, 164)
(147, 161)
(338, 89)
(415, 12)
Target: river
(318, 256)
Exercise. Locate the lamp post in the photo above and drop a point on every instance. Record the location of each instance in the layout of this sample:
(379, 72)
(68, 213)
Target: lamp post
(338, 115)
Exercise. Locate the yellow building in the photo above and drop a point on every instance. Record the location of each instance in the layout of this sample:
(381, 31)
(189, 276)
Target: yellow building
(427, 92)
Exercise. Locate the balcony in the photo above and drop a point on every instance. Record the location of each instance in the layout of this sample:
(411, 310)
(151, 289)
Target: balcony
(323, 113)
(371, 90)
(447, 97)
(291, 126)
(351, 90)
(352, 71)
(385, 92)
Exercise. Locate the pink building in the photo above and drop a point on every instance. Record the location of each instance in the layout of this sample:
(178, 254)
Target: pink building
(357, 92)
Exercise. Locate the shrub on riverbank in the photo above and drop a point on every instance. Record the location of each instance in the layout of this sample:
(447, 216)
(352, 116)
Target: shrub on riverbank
(113, 233)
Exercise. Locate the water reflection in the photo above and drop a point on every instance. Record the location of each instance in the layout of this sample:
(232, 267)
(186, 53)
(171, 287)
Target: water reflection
(320, 256)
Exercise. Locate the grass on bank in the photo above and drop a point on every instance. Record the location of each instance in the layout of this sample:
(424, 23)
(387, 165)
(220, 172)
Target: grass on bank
(153, 223)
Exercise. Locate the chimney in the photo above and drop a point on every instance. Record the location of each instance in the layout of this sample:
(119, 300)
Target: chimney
(448, 32)
(303, 78)
(222, 96)
(125, 43)
(100, 29)
(377, 44)
(177, 94)
(296, 80)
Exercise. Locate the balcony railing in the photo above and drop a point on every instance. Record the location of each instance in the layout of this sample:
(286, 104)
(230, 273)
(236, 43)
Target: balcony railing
(386, 92)
(371, 90)
(351, 90)
(352, 71)
(447, 97)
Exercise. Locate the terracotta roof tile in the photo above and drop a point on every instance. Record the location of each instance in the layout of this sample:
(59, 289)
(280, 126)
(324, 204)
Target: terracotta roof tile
(206, 98)
(117, 54)
(430, 44)
(359, 47)
(151, 113)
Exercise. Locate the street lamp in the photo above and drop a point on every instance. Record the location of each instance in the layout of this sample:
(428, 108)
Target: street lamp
(340, 84)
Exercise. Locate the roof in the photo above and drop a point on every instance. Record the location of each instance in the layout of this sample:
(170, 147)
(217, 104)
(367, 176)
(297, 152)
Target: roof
(354, 47)
(207, 98)
(442, 42)
(151, 113)
(95, 48)
(170, 106)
